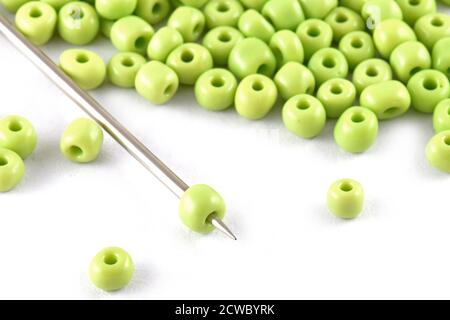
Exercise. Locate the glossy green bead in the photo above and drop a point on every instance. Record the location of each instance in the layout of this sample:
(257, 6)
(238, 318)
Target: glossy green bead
(415, 9)
(304, 116)
(36, 21)
(388, 99)
(255, 97)
(344, 21)
(294, 79)
(314, 35)
(115, 9)
(18, 134)
(375, 11)
(189, 61)
(345, 199)
(286, 47)
(189, 22)
(57, 4)
(12, 169)
(156, 82)
(356, 130)
(318, 9)
(327, 64)
(441, 116)
(355, 5)
(336, 95)
(408, 59)
(220, 41)
(153, 11)
(111, 269)
(253, 24)
(223, 13)
(13, 5)
(357, 46)
(131, 34)
(441, 56)
(215, 89)
(438, 151)
(194, 3)
(105, 27)
(78, 23)
(283, 14)
(391, 33)
(84, 67)
(427, 88)
(123, 67)
(432, 28)
(198, 204)
(164, 41)
(254, 4)
(82, 141)
(251, 56)
(370, 72)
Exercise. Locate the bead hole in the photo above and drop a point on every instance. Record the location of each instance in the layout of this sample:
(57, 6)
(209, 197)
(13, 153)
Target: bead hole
(430, 84)
(3, 161)
(75, 151)
(35, 13)
(128, 62)
(313, 32)
(437, 22)
(14, 126)
(357, 43)
(336, 89)
(217, 82)
(224, 37)
(223, 7)
(346, 187)
(140, 43)
(372, 72)
(257, 86)
(358, 118)
(197, 28)
(303, 105)
(110, 259)
(157, 8)
(447, 140)
(329, 63)
(391, 111)
(77, 14)
(341, 18)
(169, 90)
(187, 56)
(414, 2)
(82, 58)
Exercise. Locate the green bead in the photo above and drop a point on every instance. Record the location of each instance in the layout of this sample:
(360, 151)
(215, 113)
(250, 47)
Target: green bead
(294, 79)
(220, 41)
(254, 4)
(189, 61)
(255, 97)
(286, 47)
(357, 46)
(327, 64)
(375, 11)
(37, 21)
(355, 5)
(153, 11)
(336, 95)
(105, 27)
(432, 28)
(156, 82)
(12, 169)
(123, 67)
(388, 99)
(283, 14)
(253, 24)
(85, 67)
(215, 89)
(131, 34)
(304, 116)
(198, 205)
(223, 13)
(57, 4)
(18, 134)
(427, 88)
(441, 116)
(111, 269)
(413, 10)
(344, 21)
(438, 151)
(314, 35)
(163, 43)
(78, 23)
(370, 72)
(189, 22)
(441, 56)
(356, 130)
(194, 3)
(408, 59)
(345, 199)
(251, 56)
(13, 5)
(115, 9)
(82, 141)
(391, 33)
(318, 9)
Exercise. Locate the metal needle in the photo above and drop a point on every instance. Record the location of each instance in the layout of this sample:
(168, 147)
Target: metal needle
(98, 113)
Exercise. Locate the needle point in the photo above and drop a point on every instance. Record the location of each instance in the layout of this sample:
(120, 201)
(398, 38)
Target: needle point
(222, 227)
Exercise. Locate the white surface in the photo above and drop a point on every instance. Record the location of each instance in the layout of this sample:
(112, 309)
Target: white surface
(274, 184)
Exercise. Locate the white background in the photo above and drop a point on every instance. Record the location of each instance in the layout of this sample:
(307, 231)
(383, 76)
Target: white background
(275, 186)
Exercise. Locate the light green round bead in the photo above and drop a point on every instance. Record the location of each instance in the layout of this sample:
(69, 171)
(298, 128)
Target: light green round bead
(84, 67)
(345, 199)
(327, 64)
(432, 28)
(215, 89)
(78, 23)
(223, 13)
(370, 72)
(254, 4)
(220, 41)
(294, 79)
(357, 46)
(111, 269)
(286, 47)
(105, 27)
(441, 56)
(388, 99)
(194, 3)
(13, 5)
(198, 204)
(131, 34)
(438, 151)
(123, 67)
(164, 41)
(153, 11)
(355, 5)
(391, 33)
(356, 130)
(336, 95)
(318, 9)
(18, 134)
(57, 4)
(415, 9)
(304, 116)
(189, 22)
(441, 116)
(253, 24)
(283, 14)
(189, 61)
(12, 169)
(314, 35)
(82, 141)
(408, 59)
(375, 11)
(115, 9)
(156, 82)
(255, 97)
(344, 21)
